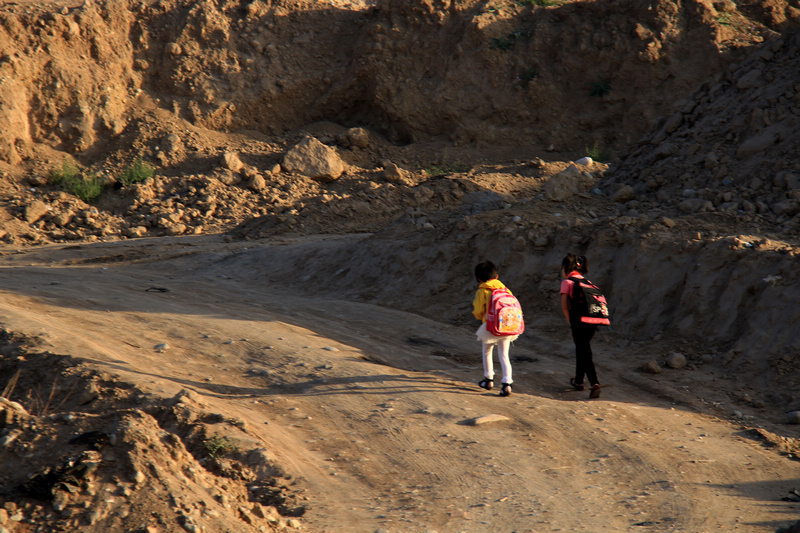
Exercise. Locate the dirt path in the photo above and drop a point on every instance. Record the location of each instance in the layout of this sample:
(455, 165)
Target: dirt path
(388, 446)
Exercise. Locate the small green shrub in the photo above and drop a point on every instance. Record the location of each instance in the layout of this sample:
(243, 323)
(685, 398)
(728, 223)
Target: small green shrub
(598, 153)
(68, 171)
(443, 169)
(87, 187)
(725, 19)
(136, 172)
(219, 446)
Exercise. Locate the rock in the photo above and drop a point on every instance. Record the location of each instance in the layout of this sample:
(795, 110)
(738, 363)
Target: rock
(486, 419)
(676, 360)
(793, 417)
(585, 161)
(231, 161)
(757, 143)
(314, 160)
(624, 194)
(478, 201)
(91, 393)
(752, 79)
(674, 122)
(35, 210)
(652, 367)
(668, 222)
(695, 205)
(257, 183)
(567, 183)
(173, 49)
(664, 150)
(392, 173)
(358, 137)
(786, 207)
(173, 145)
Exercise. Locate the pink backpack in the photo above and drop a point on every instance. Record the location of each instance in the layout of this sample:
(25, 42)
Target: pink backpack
(504, 314)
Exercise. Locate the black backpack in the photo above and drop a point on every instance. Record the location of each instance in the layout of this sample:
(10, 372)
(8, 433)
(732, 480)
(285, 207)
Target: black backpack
(588, 303)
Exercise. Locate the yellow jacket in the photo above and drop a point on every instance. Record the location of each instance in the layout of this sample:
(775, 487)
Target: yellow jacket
(481, 302)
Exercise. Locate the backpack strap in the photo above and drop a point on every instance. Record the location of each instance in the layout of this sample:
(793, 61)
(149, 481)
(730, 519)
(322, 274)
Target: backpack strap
(575, 281)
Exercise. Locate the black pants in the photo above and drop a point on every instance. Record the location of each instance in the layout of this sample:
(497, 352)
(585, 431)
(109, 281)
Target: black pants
(582, 335)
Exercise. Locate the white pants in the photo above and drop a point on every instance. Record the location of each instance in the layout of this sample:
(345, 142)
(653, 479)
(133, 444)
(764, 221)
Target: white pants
(488, 342)
(502, 354)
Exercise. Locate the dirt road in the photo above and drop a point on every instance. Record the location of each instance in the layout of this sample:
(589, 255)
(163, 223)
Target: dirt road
(371, 411)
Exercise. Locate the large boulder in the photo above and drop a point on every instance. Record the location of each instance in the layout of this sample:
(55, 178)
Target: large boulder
(567, 183)
(315, 160)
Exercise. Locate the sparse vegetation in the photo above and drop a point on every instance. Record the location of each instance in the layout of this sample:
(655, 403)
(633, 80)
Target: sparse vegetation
(599, 153)
(67, 172)
(85, 185)
(136, 172)
(220, 446)
(443, 169)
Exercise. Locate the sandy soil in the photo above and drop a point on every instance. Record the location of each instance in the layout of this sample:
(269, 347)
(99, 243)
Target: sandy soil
(239, 344)
(368, 410)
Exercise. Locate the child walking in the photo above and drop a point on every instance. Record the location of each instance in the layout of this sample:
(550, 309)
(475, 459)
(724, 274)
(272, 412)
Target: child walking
(486, 274)
(574, 267)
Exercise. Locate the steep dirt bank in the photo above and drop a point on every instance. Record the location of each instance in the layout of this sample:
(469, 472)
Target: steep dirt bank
(721, 298)
(731, 146)
(569, 76)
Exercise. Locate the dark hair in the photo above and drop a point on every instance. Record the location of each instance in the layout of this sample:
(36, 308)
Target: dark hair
(575, 262)
(485, 271)
(570, 263)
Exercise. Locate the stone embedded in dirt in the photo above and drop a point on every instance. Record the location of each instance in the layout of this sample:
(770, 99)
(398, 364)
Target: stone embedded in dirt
(257, 183)
(793, 417)
(695, 205)
(358, 137)
(624, 194)
(393, 173)
(757, 143)
(652, 367)
(478, 201)
(668, 222)
(676, 360)
(35, 210)
(231, 161)
(486, 419)
(567, 183)
(788, 207)
(315, 160)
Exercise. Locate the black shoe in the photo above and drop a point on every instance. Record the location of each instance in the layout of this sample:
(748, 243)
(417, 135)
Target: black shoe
(486, 383)
(576, 386)
(506, 389)
(595, 391)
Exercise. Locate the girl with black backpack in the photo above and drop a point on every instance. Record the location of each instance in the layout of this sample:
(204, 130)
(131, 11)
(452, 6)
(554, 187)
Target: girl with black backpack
(583, 318)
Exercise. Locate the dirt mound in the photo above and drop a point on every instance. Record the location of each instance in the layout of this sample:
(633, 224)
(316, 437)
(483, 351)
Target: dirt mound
(96, 454)
(273, 67)
(729, 147)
